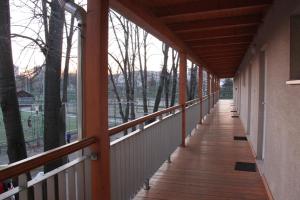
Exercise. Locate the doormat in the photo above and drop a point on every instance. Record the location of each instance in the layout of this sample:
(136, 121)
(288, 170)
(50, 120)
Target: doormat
(243, 138)
(245, 166)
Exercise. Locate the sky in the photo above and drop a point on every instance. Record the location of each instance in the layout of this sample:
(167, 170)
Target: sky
(27, 55)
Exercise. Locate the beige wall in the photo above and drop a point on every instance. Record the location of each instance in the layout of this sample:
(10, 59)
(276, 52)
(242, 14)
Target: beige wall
(281, 164)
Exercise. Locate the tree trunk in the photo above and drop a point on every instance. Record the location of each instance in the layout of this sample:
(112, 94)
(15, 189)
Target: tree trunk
(163, 75)
(67, 61)
(193, 82)
(16, 149)
(167, 87)
(175, 61)
(54, 135)
(143, 69)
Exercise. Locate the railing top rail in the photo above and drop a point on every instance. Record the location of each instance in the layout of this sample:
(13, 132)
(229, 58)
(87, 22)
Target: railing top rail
(127, 125)
(204, 97)
(23, 166)
(192, 101)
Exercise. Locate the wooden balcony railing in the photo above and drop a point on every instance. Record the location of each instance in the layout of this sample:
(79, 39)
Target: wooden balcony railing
(68, 184)
(134, 158)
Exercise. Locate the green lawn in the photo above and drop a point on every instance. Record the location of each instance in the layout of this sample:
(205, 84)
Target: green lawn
(36, 129)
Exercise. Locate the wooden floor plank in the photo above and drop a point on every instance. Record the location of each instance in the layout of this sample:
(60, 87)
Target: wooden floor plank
(205, 168)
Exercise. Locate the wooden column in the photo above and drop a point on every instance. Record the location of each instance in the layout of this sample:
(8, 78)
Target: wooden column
(208, 90)
(200, 93)
(219, 87)
(182, 92)
(95, 95)
(213, 89)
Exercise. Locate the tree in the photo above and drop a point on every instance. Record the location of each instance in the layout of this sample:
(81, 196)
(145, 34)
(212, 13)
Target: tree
(191, 92)
(171, 81)
(175, 64)
(143, 67)
(54, 135)
(163, 75)
(125, 60)
(69, 37)
(16, 149)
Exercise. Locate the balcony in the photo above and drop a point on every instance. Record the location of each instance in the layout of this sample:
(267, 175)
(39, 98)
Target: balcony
(206, 167)
(206, 148)
(151, 158)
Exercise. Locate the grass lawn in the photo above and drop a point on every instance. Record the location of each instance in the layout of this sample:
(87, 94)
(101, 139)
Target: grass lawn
(37, 126)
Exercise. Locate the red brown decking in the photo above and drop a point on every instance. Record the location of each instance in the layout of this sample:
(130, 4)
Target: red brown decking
(204, 169)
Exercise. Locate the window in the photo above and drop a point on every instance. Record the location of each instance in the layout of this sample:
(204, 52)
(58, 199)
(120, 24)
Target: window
(295, 50)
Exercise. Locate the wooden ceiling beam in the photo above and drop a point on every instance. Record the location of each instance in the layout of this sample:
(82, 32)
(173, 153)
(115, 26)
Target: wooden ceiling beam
(220, 70)
(225, 65)
(215, 14)
(207, 6)
(223, 60)
(221, 50)
(220, 41)
(211, 24)
(222, 46)
(227, 32)
(222, 54)
(222, 57)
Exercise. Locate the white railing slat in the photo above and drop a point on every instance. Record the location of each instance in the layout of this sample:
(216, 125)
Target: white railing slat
(51, 188)
(62, 185)
(23, 185)
(80, 181)
(71, 194)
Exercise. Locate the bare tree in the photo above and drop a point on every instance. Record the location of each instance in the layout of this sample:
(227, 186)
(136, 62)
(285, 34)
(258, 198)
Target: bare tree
(125, 60)
(175, 64)
(69, 38)
(54, 135)
(143, 66)
(132, 81)
(16, 149)
(49, 39)
(163, 75)
(191, 88)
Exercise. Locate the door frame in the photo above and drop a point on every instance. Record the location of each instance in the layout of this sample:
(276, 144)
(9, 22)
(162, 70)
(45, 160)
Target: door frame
(261, 105)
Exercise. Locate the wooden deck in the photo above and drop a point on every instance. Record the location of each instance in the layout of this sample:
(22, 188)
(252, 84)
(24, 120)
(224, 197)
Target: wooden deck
(205, 168)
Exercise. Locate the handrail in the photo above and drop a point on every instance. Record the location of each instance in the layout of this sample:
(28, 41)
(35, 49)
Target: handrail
(192, 101)
(205, 98)
(23, 166)
(117, 129)
(127, 125)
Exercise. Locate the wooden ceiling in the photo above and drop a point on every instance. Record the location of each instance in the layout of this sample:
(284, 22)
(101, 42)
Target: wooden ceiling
(217, 32)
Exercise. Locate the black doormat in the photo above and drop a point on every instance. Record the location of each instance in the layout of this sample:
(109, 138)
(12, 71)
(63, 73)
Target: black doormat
(245, 166)
(243, 138)
(235, 116)
(233, 111)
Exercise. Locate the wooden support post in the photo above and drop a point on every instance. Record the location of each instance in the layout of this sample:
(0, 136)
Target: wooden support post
(213, 89)
(219, 88)
(208, 90)
(95, 95)
(182, 92)
(200, 93)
